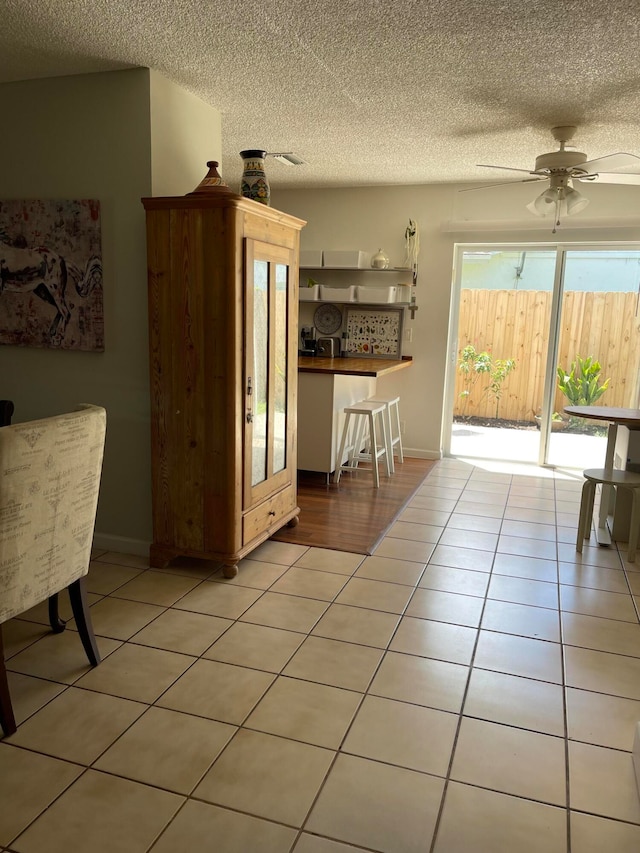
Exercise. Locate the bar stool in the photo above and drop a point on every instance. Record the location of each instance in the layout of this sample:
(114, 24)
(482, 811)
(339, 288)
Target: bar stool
(392, 403)
(619, 480)
(365, 413)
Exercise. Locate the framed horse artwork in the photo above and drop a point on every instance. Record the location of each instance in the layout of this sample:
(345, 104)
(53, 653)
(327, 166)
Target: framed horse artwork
(51, 274)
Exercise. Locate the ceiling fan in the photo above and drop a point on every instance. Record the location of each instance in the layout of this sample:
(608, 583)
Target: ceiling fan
(566, 165)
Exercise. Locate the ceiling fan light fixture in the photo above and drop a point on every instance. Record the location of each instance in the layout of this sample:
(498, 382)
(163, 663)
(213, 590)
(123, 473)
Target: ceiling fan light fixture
(560, 199)
(544, 203)
(575, 201)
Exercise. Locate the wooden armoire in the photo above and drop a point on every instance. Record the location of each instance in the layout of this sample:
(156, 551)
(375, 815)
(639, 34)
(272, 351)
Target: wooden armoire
(223, 343)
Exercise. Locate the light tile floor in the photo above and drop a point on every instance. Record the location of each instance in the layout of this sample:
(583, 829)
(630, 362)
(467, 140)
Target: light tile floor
(472, 687)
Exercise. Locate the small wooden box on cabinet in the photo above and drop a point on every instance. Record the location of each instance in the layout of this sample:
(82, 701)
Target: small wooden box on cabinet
(223, 344)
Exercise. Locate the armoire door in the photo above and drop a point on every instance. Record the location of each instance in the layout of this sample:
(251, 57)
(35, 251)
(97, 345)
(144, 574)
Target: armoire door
(270, 370)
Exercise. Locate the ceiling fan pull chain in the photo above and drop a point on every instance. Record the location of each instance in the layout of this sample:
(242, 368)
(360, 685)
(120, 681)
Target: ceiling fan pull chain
(557, 214)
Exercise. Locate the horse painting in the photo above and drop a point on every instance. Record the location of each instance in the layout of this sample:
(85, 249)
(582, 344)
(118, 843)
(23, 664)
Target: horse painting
(51, 291)
(46, 273)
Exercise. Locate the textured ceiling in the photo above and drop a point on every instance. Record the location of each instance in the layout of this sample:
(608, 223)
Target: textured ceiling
(364, 91)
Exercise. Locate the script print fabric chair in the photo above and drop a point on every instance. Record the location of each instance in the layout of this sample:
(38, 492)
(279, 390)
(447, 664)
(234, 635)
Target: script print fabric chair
(49, 482)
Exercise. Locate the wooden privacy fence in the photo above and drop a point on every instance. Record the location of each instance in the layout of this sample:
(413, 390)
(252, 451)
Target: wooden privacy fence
(515, 324)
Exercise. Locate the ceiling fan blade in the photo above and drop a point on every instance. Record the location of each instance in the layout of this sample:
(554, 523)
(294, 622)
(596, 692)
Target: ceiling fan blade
(612, 163)
(612, 178)
(501, 184)
(505, 168)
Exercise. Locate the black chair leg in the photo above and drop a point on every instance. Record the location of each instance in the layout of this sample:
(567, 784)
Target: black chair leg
(6, 411)
(80, 607)
(7, 720)
(57, 624)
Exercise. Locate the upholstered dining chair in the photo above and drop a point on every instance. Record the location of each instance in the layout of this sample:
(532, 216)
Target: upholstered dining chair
(6, 412)
(49, 483)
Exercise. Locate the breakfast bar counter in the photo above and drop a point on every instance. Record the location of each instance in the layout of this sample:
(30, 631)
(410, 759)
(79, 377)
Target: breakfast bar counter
(325, 387)
(351, 366)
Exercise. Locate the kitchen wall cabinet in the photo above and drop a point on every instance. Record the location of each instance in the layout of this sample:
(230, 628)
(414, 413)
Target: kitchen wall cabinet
(223, 341)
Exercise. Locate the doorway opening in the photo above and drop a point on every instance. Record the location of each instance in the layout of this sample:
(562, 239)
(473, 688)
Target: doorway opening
(535, 328)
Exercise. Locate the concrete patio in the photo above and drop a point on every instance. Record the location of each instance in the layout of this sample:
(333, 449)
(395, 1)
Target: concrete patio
(567, 449)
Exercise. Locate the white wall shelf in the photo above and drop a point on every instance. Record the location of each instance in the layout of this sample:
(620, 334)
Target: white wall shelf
(352, 302)
(410, 274)
(396, 270)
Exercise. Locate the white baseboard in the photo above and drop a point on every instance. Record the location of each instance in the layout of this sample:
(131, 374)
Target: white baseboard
(636, 756)
(421, 454)
(121, 544)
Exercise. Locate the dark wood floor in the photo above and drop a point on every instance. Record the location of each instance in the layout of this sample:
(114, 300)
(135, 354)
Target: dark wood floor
(352, 516)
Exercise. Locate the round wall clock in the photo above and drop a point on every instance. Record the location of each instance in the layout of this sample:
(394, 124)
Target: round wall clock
(327, 319)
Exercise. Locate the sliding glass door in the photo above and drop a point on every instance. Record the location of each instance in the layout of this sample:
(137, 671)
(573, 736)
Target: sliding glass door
(518, 314)
(597, 359)
(499, 352)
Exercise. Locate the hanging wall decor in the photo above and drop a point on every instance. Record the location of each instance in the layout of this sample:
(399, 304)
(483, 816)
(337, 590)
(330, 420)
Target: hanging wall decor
(411, 245)
(51, 274)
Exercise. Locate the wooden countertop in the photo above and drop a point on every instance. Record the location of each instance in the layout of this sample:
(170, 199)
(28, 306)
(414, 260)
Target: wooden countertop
(351, 366)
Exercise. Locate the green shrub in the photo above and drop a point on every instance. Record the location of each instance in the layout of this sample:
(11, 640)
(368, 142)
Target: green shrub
(474, 364)
(581, 385)
(500, 369)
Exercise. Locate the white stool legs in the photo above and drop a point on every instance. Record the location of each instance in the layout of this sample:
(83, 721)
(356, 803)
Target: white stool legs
(392, 416)
(586, 513)
(368, 415)
(619, 480)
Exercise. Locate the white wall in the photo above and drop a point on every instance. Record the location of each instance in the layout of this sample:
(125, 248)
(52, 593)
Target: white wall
(90, 136)
(185, 134)
(368, 218)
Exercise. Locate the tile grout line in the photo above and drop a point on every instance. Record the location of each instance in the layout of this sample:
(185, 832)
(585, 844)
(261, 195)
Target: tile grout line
(460, 715)
(565, 710)
(338, 751)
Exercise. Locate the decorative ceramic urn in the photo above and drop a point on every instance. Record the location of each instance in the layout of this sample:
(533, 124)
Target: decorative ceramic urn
(254, 183)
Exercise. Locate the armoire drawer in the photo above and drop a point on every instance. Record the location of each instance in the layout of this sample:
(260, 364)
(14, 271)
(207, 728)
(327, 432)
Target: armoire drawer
(257, 520)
